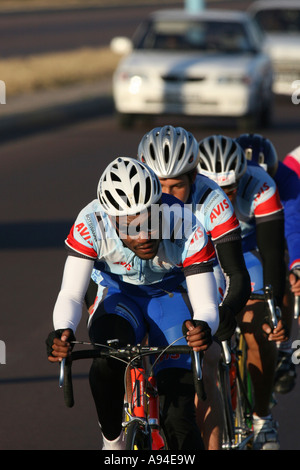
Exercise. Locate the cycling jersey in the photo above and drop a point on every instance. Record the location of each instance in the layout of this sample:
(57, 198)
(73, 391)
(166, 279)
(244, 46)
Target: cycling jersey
(257, 198)
(212, 207)
(94, 236)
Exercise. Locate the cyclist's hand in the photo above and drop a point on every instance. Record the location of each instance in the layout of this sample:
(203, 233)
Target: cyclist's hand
(198, 334)
(278, 334)
(227, 323)
(294, 278)
(58, 344)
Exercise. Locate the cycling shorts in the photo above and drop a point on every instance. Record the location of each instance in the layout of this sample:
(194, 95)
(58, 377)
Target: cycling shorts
(160, 318)
(255, 269)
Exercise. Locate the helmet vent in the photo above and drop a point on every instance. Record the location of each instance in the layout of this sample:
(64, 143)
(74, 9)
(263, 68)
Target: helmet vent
(133, 172)
(115, 177)
(112, 200)
(148, 190)
(152, 152)
(167, 154)
(136, 192)
(182, 150)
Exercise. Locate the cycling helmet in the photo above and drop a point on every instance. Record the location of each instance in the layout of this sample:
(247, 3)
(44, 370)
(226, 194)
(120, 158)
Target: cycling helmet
(169, 151)
(259, 150)
(222, 159)
(128, 187)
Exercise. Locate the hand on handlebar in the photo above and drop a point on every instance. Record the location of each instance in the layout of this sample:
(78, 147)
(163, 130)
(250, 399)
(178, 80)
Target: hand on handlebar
(58, 344)
(198, 335)
(279, 333)
(294, 279)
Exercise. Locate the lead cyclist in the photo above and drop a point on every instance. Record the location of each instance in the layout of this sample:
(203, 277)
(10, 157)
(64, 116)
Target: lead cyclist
(255, 199)
(156, 276)
(261, 151)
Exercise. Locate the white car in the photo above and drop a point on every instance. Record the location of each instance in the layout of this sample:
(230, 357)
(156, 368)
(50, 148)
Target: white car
(209, 63)
(280, 21)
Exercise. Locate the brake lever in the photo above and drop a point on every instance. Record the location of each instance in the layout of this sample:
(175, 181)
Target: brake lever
(62, 373)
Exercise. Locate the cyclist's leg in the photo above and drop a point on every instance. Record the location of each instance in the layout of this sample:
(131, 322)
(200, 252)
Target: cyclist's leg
(165, 316)
(209, 412)
(115, 317)
(261, 356)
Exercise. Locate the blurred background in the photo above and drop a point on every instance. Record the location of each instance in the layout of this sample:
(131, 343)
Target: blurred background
(58, 131)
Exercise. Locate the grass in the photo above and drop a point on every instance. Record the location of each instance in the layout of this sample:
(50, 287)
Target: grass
(52, 70)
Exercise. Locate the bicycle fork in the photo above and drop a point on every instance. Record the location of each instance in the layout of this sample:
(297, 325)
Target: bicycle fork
(139, 405)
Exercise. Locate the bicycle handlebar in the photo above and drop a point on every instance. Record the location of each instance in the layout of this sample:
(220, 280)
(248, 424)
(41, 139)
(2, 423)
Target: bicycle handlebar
(128, 353)
(268, 297)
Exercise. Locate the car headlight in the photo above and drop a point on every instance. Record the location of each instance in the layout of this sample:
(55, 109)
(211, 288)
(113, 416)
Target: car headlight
(134, 81)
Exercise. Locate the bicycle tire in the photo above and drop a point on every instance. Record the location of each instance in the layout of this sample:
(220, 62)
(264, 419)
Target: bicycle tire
(138, 437)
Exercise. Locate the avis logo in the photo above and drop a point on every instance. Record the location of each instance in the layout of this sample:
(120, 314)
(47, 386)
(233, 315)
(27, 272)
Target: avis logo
(2, 92)
(2, 353)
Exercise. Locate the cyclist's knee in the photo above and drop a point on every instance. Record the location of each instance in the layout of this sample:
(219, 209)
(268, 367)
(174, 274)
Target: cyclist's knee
(111, 326)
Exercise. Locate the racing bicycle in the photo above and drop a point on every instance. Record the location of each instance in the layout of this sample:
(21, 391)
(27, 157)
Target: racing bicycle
(235, 383)
(141, 422)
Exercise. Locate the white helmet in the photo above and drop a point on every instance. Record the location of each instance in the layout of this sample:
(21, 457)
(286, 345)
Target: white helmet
(169, 151)
(222, 159)
(127, 187)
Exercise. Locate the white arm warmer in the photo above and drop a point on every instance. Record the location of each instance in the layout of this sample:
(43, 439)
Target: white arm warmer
(68, 308)
(202, 290)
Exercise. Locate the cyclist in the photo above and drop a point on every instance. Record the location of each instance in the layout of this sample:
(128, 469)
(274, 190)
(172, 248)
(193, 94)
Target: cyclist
(256, 203)
(145, 259)
(173, 154)
(292, 160)
(260, 151)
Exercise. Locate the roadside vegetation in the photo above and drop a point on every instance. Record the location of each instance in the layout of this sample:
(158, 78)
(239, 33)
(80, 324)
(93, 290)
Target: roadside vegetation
(52, 70)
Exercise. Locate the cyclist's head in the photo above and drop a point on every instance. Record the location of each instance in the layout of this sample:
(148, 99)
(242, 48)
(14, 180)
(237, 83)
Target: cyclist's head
(173, 154)
(260, 151)
(169, 151)
(223, 160)
(127, 190)
(128, 187)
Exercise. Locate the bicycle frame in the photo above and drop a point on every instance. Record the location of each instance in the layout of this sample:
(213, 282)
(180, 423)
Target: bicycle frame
(142, 405)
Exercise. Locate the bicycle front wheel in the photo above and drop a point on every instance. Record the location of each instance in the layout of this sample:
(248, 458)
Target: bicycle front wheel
(138, 437)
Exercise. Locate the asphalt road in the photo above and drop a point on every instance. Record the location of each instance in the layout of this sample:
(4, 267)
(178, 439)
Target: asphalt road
(45, 179)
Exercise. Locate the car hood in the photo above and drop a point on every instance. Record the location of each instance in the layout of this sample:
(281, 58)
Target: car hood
(283, 46)
(189, 63)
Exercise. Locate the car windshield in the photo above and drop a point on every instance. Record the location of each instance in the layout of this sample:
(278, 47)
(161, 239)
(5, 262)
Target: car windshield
(279, 20)
(212, 36)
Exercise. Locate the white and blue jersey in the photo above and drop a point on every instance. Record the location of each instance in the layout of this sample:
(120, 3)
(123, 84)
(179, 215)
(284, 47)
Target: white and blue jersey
(149, 294)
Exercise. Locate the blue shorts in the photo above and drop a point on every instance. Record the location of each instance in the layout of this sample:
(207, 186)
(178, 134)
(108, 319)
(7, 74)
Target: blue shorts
(255, 269)
(161, 317)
